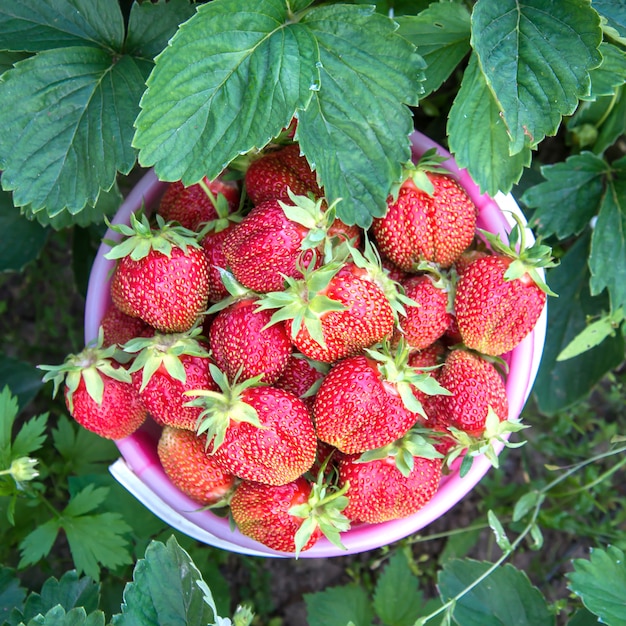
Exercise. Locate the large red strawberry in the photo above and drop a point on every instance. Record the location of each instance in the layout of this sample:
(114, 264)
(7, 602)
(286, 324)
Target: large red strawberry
(165, 366)
(244, 343)
(185, 461)
(194, 205)
(431, 219)
(274, 172)
(378, 491)
(278, 237)
(500, 297)
(475, 385)
(257, 433)
(291, 517)
(367, 402)
(161, 275)
(333, 312)
(98, 391)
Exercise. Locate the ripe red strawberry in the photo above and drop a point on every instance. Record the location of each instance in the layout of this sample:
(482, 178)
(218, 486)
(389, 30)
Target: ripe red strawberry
(378, 490)
(118, 328)
(98, 391)
(289, 518)
(269, 177)
(367, 402)
(161, 275)
(302, 377)
(500, 297)
(194, 205)
(333, 312)
(428, 318)
(474, 385)
(185, 461)
(165, 366)
(276, 238)
(244, 343)
(257, 433)
(432, 219)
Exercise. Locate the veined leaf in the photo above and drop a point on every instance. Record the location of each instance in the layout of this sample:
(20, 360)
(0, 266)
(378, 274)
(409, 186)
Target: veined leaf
(355, 129)
(38, 543)
(152, 25)
(611, 73)
(536, 56)
(607, 259)
(30, 437)
(71, 133)
(478, 137)
(165, 590)
(612, 11)
(34, 25)
(505, 597)
(600, 583)
(58, 616)
(338, 606)
(441, 34)
(228, 82)
(570, 196)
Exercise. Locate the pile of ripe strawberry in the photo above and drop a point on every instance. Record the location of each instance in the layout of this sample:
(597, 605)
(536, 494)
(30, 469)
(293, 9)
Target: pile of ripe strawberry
(306, 374)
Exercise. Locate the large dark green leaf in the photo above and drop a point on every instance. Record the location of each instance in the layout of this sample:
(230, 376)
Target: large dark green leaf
(478, 137)
(164, 590)
(23, 379)
(560, 384)
(23, 239)
(338, 606)
(505, 598)
(606, 78)
(441, 35)
(570, 196)
(536, 56)
(600, 582)
(12, 595)
(613, 12)
(355, 129)
(35, 25)
(228, 82)
(71, 133)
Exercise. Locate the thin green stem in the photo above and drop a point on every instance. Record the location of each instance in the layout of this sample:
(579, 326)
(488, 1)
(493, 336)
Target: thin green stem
(527, 529)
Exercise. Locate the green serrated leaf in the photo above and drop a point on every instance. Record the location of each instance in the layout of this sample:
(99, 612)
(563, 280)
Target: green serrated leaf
(593, 335)
(57, 616)
(607, 257)
(478, 137)
(505, 597)
(612, 11)
(536, 57)
(152, 24)
(8, 412)
(71, 133)
(397, 597)
(600, 583)
(570, 196)
(561, 383)
(441, 34)
(354, 131)
(611, 73)
(252, 70)
(85, 500)
(30, 437)
(165, 589)
(35, 25)
(12, 595)
(336, 606)
(38, 543)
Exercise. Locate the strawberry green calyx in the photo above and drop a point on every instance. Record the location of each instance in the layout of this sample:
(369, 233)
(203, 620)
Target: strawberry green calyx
(444, 279)
(225, 217)
(139, 238)
(93, 362)
(417, 442)
(370, 261)
(303, 301)
(496, 432)
(430, 161)
(394, 369)
(526, 259)
(163, 349)
(219, 408)
(323, 510)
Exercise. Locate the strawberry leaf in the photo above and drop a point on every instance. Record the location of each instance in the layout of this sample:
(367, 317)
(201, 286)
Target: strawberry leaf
(67, 97)
(441, 34)
(478, 137)
(536, 57)
(35, 25)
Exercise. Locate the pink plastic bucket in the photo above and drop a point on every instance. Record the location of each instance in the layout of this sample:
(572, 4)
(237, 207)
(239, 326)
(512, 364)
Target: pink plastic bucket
(140, 471)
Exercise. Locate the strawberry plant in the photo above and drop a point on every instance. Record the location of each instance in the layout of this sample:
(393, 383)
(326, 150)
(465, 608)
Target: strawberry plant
(527, 96)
